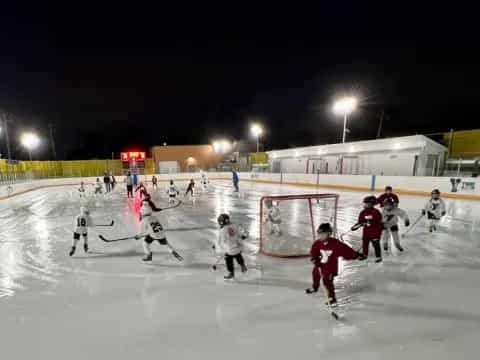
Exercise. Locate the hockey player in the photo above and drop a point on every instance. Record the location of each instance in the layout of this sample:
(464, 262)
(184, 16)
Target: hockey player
(154, 182)
(371, 221)
(129, 183)
(204, 182)
(273, 218)
(98, 186)
(190, 188)
(229, 243)
(142, 189)
(324, 256)
(152, 230)
(388, 194)
(390, 215)
(81, 189)
(434, 209)
(82, 222)
(172, 192)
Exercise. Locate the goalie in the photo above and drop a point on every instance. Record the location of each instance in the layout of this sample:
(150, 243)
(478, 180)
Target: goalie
(273, 218)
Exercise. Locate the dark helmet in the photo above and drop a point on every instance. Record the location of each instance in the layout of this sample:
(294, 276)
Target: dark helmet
(388, 188)
(171, 182)
(370, 200)
(325, 228)
(389, 203)
(223, 219)
(435, 192)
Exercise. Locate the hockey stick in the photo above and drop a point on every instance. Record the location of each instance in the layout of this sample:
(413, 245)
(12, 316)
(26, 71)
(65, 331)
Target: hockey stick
(413, 225)
(173, 206)
(113, 240)
(111, 224)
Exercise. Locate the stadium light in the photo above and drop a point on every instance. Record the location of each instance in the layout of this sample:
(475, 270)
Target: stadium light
(345, 106)
(257, 131)
(30, 141)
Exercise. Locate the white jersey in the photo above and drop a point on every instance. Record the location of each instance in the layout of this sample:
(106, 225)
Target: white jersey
(82, 222)
(390, 217)
(229, 240)
(273, 215)
(81, 189)
(172, 190)
(98, 185)
(151, 226)
(435, 208)
(204, 180)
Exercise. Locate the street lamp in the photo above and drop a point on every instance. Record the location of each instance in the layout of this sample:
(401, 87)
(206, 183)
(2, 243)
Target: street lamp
(257, 130)
(345, 106)
(30, 141)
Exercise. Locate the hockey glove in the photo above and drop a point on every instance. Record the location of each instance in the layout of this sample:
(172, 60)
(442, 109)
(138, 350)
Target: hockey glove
(407, 223)
(137, 237)
(444, 213)
(424, 212)
(316, 261)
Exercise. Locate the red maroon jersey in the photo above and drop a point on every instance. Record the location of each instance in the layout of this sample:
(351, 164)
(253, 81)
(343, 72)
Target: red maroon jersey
(381, 199)
(326, 253)
(372, 218)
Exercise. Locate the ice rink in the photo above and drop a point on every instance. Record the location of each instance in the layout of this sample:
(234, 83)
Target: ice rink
(107, 304)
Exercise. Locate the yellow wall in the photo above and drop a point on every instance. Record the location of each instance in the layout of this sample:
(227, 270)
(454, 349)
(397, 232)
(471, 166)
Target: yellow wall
(84, 168)
(464, 144)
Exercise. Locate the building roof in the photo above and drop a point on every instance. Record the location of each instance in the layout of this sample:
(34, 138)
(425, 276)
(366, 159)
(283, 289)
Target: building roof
(377, 145)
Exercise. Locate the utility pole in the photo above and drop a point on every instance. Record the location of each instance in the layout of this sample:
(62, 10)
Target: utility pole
(382, 115)
(7, 138)
(52, 141)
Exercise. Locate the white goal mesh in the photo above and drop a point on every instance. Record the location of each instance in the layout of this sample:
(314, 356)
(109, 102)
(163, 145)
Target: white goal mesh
(290, 229)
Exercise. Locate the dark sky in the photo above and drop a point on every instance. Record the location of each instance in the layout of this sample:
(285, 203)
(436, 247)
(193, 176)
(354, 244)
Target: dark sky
(108, 77)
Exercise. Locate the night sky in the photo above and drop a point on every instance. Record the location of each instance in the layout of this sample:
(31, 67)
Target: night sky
(110, 77)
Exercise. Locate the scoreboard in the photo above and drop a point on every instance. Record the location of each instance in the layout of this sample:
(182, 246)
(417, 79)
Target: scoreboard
(133, 159)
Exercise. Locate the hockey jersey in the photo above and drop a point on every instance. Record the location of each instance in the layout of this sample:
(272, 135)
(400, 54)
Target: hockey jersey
(229, 240)
(381, 199)
(372, 220)
(151, 226)
(325, 255)
(435, 208)
(390, 217)
(273, 215)
(172, 190)
(81, 223)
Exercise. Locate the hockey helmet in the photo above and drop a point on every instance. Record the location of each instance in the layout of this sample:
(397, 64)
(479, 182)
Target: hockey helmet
(388, 188)
(325, 228)
(146, 209)
(389, 203)
(435, 192)
(223, 219)
(371, 200)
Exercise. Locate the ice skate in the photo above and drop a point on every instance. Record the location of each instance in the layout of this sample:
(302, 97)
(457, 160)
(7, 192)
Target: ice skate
(148, 257)
(72, 251)
(311, 291)
(378, 260)
(244, 269)
(229, 276)
(85, 247)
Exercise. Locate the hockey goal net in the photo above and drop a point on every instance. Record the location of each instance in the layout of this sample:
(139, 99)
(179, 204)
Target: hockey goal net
(288, 223)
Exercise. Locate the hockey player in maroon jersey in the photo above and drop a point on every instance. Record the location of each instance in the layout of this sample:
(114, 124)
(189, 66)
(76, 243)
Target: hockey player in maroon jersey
(371, 221)
(143, 190)
(388, 194)
(324, 255)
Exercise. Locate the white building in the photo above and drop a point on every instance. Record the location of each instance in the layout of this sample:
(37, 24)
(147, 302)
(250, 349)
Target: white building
(409, 155)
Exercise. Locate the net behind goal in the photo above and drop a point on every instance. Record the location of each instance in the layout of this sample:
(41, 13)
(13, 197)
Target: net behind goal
(288, 223)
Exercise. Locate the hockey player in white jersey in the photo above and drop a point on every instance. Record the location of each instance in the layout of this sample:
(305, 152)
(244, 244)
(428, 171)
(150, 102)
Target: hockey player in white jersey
(229, 243)
(82, 222)
(390, 215)
(98, 186)
(204, 182)
(273, 218)
(152, 230)
(81, 189)
(434, 209)
(172, 192)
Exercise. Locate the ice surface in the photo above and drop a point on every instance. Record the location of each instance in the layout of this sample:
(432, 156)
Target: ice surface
(109, 305)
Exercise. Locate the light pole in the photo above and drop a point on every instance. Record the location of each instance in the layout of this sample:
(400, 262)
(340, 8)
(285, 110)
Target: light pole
(30, 141)
(257, 130)
(345, 106)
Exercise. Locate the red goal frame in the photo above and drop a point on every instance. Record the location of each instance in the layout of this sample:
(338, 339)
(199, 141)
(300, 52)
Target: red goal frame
(307, 197)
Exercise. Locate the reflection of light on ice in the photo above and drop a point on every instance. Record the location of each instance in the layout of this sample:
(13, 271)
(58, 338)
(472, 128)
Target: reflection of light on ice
(344, 331)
